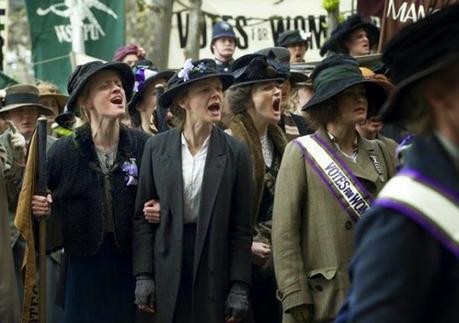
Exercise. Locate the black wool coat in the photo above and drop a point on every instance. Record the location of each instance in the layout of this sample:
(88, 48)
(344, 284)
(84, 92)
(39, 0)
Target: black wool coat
(76, 182)
(223, 238)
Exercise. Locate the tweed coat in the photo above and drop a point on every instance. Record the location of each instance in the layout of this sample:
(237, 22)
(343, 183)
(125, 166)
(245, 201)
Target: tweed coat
(223, 237)
(312, 235)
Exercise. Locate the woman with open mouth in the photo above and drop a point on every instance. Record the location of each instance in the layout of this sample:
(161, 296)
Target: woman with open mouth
(255, 101)
(325, 183)
(93, 184)
(192, 259)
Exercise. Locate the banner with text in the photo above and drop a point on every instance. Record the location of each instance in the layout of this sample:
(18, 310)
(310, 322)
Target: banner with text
(399, 13)
(257, 24)
(51, 33)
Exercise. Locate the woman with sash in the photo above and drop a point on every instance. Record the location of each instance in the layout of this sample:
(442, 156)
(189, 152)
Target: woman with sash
(143, 105)
(193, 264)
(93, 184)
(406, 264)
(325, 183)
(255, 101)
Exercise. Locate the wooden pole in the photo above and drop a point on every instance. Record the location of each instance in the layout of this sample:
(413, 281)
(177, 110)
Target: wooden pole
(41, 189)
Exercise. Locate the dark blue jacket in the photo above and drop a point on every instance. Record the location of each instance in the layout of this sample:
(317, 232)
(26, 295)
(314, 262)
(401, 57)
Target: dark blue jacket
(401, 273)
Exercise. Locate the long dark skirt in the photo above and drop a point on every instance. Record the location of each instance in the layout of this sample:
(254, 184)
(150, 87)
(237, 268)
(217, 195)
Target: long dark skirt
(183, 310)
(265, 306)
(100, 288)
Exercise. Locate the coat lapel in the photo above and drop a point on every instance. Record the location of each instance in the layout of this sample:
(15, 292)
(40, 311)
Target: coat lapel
(364, 167)
(171, 162)
(213, 173)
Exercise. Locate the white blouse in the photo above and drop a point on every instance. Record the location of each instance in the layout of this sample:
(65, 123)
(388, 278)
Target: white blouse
(192, 173)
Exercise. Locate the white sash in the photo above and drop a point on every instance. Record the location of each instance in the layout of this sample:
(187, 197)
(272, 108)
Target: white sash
(440, 214)
(342, 182)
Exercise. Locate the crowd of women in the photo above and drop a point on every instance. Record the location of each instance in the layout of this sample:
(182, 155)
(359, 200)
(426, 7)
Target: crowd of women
(196, 196)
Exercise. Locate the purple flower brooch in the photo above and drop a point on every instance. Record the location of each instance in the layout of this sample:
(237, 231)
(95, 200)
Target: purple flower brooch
(131, 172)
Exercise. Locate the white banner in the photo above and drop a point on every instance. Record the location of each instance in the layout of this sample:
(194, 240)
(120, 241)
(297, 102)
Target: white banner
(256, 24)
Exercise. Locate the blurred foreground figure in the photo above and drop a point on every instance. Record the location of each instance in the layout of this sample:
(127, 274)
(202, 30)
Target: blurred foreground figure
(406, 265)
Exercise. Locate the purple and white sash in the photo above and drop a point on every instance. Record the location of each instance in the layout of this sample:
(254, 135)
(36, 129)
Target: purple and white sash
(432, 206)
(336, 175)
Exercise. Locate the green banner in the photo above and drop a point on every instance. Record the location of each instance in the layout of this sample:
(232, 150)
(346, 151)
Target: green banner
(51, 33)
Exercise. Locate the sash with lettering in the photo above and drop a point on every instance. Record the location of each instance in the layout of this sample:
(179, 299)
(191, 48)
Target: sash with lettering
(336, 175)
(432, 206)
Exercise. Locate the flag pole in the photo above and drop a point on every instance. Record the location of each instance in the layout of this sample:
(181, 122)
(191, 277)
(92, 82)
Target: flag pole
(41, 189)
(76, 22)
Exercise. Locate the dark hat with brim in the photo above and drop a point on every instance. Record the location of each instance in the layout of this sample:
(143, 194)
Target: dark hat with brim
(433, 42)
(21, 96)
(291, 37)
(338, 36)
(144, 76)
(256, 68)
(66, 120)
(192, 72)
(83, 73)
(282, 54)
(337, 73)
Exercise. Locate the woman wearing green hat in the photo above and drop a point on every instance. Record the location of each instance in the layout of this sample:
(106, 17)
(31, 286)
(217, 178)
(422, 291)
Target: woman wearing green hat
(192, 261)
(325, 183)
(255, 101)
(93, 184)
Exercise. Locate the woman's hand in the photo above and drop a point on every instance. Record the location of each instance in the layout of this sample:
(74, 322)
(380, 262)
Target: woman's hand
(40, 205)
(260, 252)
(151, 211)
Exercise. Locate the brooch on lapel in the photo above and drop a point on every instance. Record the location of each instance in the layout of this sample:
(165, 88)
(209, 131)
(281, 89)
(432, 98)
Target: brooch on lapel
(377, 165)
(130, 170)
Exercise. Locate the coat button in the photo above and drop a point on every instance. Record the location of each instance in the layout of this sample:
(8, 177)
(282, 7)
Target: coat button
(348, 225)
(318, 288)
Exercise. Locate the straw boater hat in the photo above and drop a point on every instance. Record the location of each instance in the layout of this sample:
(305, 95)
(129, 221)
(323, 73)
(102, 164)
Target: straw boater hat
(337, 73)
(418, 51)
(47, 89)
(338, 36)
(191, 72)
(83, 73)
(23, 95)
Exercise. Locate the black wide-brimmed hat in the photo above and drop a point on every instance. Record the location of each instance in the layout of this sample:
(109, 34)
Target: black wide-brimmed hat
(256, 68)
(337, 73)
(83, 73)
(282, 54)
(146, 73)
(339, 35)
(66, 119)
(417, 51)
(191, 72)
(21, 96)
(291, 37)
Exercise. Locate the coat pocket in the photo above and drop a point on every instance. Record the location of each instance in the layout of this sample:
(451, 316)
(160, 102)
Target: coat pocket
(326, 287)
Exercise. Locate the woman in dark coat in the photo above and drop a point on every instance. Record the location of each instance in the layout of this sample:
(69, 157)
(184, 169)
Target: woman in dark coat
(143, 107)
(93, 183)
(193, 265)
(255, 101)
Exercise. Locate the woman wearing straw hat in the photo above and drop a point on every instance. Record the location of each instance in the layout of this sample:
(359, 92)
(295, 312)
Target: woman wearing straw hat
(192, 263)
(93, 183)
(255, 101)
(325, 183)
(143, 105)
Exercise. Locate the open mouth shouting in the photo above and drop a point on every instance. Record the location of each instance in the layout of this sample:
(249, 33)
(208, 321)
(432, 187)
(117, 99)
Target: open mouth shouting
(214, 109)
(118, 100)
(277, 106)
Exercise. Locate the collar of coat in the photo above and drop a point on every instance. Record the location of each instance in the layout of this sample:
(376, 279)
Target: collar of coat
(243, 128)
(85, 144)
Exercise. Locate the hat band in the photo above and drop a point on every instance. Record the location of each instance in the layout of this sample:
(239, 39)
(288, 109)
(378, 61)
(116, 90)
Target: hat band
(19, 98)
(336, 74)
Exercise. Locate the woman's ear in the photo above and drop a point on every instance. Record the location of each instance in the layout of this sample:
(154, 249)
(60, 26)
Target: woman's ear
(183, 102)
